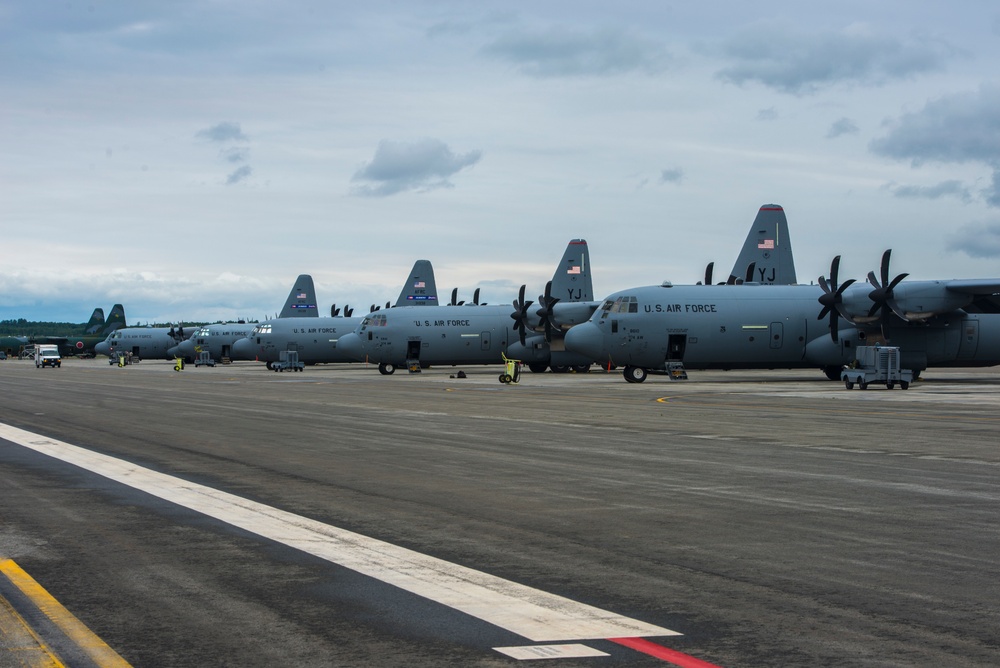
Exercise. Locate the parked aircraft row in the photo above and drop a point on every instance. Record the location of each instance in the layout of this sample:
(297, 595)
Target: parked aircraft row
(758, 318)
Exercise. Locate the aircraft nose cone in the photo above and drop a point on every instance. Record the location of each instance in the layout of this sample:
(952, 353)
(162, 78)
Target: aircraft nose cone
(102, 348)
(350, 345)
(586, 339)
(243, 350)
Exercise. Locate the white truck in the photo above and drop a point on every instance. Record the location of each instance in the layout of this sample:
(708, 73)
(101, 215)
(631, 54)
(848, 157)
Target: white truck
(876, 364)
(47, 355)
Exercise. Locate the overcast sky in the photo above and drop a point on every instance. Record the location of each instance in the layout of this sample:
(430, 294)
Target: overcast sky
(190, 159)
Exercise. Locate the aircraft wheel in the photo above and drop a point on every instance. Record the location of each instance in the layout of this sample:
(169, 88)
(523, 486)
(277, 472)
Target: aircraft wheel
(833, 372)
(581, 368)
(537, 367)
(559, 368)
(635, 374)
(904, 385)
(386, 369)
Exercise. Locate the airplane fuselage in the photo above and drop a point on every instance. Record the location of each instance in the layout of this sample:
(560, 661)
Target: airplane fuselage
(449, 335)
(217, 340)
(747, 326)
(315, 340)
(142, 342)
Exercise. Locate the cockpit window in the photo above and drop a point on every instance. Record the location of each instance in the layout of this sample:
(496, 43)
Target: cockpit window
(373, 321)
(261, 329)
(622, 305)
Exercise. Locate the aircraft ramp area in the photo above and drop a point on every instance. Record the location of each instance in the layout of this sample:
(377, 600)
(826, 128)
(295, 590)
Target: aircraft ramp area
(234, 516)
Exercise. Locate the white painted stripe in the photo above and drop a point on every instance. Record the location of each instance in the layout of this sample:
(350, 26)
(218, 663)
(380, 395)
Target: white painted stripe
(528, 612)
(535, 652)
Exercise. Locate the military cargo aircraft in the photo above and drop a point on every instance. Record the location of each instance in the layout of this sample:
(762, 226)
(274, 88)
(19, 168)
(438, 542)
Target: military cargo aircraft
(143, 342)
(479, 333)
(316, 341)
(658, 328)
(13, 345)
(218, 339)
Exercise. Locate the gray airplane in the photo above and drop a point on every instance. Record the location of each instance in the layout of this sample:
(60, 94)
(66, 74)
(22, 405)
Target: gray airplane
(142, 342)
(218, 339)
(316, 340)
(481, 333)
(750, 326)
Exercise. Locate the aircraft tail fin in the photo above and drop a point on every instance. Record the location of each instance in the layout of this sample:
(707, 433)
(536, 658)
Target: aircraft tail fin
(96, 321)
(572, 281)
(768, 248)
(420, 288)
(116, 319)
(301, 302)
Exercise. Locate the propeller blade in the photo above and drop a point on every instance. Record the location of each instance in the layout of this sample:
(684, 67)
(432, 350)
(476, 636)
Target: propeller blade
(833, 297)
(750, 270)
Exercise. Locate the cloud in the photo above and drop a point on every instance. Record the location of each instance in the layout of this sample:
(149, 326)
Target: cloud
(235, 154)
(675, 175)
(422, 165)
(769, 114)
(790, 60)
(979, 240)
(944, 189)
(223, 132)
(842, 126)
(239, 174)
(958, 128)
(964, 127)
(563, 53)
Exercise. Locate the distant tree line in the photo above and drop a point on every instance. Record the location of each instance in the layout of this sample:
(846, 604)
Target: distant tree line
(22, 327)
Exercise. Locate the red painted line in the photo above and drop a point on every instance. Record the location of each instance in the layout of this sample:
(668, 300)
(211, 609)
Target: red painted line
(771, 208)
(660, 652)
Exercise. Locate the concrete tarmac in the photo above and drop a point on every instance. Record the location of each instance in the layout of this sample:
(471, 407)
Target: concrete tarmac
(771, 517)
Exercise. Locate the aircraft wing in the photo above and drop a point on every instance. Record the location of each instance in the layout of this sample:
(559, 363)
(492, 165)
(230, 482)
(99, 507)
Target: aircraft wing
(974, 286)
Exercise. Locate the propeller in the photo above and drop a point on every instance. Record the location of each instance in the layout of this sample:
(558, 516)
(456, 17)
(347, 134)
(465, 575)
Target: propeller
(475, 297)
(708, 273)
(547, 301)
(348, 311)
(750, 271)
(882, 295)
(520, 314)
(833, 296)
(334, 311)
(454, 298)
(373, 308)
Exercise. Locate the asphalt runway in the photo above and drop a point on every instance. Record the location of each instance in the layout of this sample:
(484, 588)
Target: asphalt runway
(772, 518)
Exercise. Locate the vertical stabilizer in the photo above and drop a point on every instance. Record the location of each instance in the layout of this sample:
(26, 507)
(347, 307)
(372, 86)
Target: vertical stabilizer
(116, 320)
(572, 281)
(96, 322)
(768, 248)
(301, 301)
(420, 288)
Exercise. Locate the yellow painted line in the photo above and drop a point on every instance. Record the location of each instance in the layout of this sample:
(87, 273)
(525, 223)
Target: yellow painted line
(21, 643)
(95, 648)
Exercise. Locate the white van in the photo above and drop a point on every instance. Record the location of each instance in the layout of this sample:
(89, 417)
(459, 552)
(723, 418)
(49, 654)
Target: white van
(47, 355)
